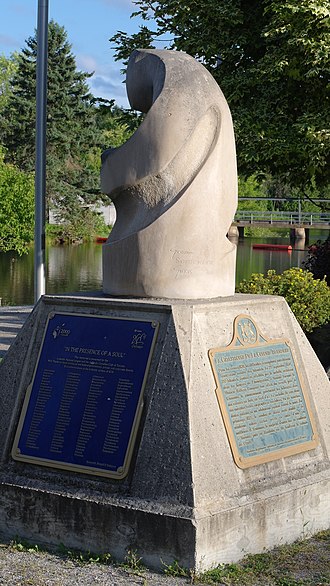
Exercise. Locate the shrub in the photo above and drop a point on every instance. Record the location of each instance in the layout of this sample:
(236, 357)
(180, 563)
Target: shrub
(308, 298)
(318, 260)
(16, 207)
(84, 225)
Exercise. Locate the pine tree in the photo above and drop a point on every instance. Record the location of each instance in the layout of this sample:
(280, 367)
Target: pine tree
(71, 128)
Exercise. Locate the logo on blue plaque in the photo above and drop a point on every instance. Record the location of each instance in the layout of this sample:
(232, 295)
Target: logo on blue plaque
(261, 395)
(82, 409)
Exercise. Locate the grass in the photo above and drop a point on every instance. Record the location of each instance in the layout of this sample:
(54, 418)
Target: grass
(303, 563)
(85, 557)
(176, 570)
(23, 545)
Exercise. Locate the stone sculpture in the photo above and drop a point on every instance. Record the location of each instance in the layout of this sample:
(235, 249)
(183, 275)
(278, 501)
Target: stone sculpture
(173, 183)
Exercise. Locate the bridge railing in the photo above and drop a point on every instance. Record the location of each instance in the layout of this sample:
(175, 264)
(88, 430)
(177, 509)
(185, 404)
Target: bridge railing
(259, 216)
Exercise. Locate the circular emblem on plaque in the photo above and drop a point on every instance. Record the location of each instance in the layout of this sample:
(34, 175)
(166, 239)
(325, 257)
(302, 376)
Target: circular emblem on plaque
(247, 331)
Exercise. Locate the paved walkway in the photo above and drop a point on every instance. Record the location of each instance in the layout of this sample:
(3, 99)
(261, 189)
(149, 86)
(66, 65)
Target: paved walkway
(11, 321)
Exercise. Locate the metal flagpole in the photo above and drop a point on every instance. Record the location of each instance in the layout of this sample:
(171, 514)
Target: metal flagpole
(40, 177)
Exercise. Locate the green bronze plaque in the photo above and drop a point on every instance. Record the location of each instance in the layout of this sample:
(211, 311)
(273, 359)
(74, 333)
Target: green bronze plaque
(262, 399)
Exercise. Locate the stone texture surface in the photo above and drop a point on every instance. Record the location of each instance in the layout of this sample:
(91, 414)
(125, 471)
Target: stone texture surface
(181, 157)
(184, 498)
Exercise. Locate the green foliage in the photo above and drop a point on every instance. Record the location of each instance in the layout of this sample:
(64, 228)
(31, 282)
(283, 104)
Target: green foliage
(115, 124)
(278, 189)
(324, 536)
(16, 209)
(261, 232)
(252, 188)
(225, 574)
(82, 225)
(174, 569)
(281, 195)
(303, 563)
(133, 562)
(85, 557)
(8, 67)
(308, 298)
(24, 545)
(71, 124)
(125, 44)
(318, 260)
(271, 59)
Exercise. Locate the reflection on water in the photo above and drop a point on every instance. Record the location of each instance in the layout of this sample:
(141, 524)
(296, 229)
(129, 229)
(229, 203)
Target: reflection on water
(16, 278)
(250, 260)
(68, 269)
(74, 268)
(79, 268)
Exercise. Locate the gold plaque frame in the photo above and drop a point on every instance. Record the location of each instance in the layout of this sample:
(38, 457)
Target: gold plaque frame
(247, 336)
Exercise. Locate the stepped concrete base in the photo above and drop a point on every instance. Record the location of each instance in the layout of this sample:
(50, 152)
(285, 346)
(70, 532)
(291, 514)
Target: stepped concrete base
(184, 497)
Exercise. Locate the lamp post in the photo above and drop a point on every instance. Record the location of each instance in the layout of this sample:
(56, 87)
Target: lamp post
(40, 163)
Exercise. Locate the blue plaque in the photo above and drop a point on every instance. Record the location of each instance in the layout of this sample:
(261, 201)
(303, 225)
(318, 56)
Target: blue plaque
(261, 396)
(83, 407)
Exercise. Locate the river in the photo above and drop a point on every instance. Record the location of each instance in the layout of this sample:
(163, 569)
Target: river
(79, 268)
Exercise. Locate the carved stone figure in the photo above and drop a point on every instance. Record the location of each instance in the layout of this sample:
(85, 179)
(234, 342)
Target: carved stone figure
(173, 183)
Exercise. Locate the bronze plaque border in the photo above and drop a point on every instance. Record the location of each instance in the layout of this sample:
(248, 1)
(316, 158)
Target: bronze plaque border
(240, 461)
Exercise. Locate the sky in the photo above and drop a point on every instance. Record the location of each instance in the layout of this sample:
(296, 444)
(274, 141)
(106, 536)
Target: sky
(89, 25)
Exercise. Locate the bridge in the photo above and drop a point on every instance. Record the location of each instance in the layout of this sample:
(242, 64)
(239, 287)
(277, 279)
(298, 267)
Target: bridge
(299, 222)
(320, 221)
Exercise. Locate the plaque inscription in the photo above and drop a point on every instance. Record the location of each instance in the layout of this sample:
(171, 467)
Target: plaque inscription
(83, 407)
(261, 396)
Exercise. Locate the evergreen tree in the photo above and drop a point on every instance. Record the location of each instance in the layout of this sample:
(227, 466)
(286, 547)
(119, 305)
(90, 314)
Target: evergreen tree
(71, 128)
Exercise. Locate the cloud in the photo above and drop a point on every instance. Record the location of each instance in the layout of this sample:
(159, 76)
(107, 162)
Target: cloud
(127, 4)
(106, 81)
(105, 86)
(86, 63)
(8, 41)
(22, 9)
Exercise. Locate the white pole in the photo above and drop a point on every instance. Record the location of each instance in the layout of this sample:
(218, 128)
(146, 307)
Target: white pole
(40, 177)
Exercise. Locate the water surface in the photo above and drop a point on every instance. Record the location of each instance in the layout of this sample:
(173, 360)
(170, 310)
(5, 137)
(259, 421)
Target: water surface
(79, 267)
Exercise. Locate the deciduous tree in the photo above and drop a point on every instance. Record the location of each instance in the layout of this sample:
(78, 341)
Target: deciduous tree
(8, 67)
(16, 207)
(271, 58)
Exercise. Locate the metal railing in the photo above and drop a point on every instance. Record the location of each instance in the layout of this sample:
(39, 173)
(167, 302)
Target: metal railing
(289, 218)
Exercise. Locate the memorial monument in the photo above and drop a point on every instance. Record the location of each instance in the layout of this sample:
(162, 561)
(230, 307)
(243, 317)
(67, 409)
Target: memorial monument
(174, 185)
(186, 428)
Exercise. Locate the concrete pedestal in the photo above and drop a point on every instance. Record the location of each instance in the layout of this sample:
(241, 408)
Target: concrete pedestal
(184, 497)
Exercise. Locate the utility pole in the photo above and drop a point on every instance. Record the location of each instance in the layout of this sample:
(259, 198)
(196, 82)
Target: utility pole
(40, 163)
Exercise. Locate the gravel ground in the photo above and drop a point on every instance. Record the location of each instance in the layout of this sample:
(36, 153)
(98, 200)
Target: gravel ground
(23, 568)
(303, 563)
